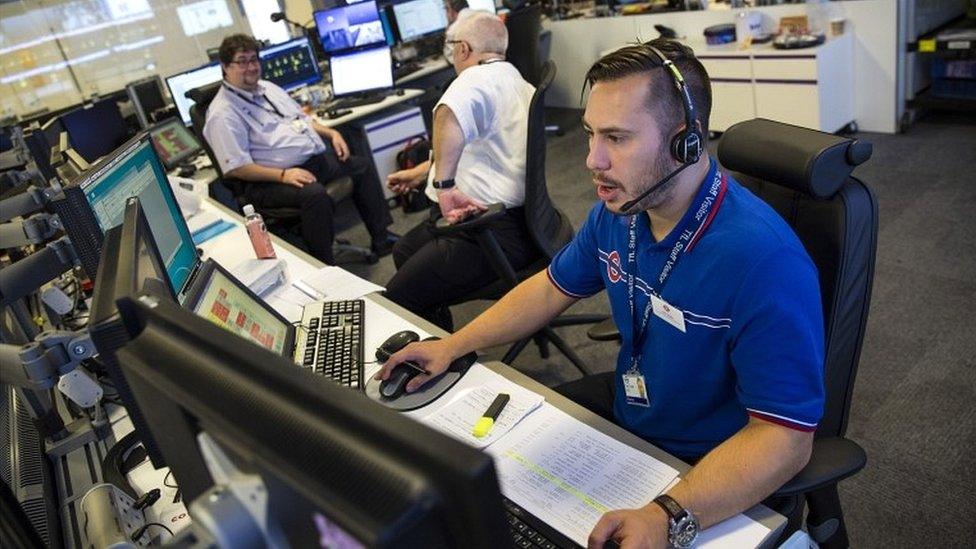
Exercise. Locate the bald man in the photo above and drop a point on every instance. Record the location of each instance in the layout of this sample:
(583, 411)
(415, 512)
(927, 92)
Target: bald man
(480, 132)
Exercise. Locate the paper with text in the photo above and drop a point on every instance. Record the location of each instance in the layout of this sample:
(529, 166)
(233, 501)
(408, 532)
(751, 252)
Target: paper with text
(569, 474)
(457, 417)
(335, 283)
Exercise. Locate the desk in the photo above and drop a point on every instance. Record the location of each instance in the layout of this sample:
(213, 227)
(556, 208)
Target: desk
(430, 66)
(366, 110)
(387, 318)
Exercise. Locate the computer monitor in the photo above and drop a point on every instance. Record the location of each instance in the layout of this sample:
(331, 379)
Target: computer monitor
(361, 71)
(130, 264)
(348, 27)
(147, 97)
(95, 202)
(335, 464)
(174, 143)
(95, 130)
(227, 302)
(183, 82)
(419, 18)
(290, 64)
(482, 5)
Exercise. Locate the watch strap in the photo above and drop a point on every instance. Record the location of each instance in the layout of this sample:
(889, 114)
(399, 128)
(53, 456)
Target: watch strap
(670, 506)
(445, 184)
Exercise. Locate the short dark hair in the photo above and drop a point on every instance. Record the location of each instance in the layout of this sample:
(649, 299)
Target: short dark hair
(663, 99)
(457, 5)
(234, 44)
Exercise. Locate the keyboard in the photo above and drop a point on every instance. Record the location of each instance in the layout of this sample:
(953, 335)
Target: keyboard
(530, 532)
(334, 345)
(356, 101)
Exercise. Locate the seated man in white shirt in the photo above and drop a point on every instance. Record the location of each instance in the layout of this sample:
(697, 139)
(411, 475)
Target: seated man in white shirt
(260, 135)
(480, 132)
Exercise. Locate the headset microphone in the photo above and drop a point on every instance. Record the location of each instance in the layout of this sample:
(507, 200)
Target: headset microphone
(625, 209)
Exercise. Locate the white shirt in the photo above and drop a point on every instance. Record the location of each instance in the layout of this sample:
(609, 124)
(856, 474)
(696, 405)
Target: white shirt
(264, 127)
(491, 103)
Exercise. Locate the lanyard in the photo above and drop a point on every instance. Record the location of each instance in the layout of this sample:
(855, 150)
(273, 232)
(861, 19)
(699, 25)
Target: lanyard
(703, 216)
(258, 105)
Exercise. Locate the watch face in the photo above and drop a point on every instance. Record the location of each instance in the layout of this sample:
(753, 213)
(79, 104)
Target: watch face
(684, 532)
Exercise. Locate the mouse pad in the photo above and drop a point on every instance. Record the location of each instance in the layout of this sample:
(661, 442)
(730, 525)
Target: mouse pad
(430, 392)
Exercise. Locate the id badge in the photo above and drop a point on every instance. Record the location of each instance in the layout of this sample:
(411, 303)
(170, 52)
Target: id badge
(636, 390)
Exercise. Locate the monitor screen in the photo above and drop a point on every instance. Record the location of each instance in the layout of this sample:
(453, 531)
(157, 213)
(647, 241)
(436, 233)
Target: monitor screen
(339, 469)
(290, 64)
(482, 5)
(227, 303)
(349, 27)
(136, 171)
(174, 143)
(95, 130)
(179, 84)
(361, 71)
(419, 18)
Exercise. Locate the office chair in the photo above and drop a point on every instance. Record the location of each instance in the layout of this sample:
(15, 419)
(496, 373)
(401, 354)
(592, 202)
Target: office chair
(805, 176)
(548, 227)
(524, 25)
(284, 222)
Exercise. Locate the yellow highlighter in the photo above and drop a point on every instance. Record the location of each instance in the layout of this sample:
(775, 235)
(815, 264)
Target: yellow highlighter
(484, 424)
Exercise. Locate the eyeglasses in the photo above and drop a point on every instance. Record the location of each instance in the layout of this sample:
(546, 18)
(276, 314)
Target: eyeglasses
(449, 47)
(246, 62)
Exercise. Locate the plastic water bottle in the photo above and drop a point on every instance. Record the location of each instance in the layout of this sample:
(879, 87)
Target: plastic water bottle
(258, 232)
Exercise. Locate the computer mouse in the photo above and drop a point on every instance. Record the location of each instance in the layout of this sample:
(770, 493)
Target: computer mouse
(187, 170)
(394, 343)
(396, 384)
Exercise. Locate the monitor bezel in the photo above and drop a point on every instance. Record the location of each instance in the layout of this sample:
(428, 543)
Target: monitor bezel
(288, 45)
(318, 29)
(199, 285)
(176, 161)
(399, 31)
(351, 53)
(176, 103)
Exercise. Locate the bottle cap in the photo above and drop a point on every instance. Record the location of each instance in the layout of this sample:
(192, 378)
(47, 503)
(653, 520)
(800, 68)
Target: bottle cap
(248, 209)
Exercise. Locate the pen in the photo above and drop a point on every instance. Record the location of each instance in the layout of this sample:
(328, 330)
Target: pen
(484, 424)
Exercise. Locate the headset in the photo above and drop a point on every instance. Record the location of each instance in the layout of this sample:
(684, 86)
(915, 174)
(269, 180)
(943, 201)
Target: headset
(686, 147)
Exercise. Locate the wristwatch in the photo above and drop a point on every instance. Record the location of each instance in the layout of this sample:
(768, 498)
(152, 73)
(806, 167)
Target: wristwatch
(445, 184)
(682, 525)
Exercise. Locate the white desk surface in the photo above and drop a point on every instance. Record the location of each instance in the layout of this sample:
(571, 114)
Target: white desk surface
(386, 318)
(366, 110)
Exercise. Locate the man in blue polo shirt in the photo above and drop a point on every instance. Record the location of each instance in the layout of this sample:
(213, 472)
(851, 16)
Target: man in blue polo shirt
(716, 300)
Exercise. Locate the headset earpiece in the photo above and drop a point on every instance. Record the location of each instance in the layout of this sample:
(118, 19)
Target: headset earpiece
(686, 147)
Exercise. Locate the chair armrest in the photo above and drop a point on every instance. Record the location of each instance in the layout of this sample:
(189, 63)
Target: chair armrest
(440, 226)
(833, 459)
(604, 331)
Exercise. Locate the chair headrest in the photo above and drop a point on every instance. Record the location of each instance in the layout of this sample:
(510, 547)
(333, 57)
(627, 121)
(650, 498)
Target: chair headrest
(204, 94)
(802, 159)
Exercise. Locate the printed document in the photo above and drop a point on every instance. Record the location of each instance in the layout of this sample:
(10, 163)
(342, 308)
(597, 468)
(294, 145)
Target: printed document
(467, 401)
(569, 474)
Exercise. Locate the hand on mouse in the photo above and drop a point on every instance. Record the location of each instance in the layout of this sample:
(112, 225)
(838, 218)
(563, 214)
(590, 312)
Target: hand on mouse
(457, 206)
(433, 356)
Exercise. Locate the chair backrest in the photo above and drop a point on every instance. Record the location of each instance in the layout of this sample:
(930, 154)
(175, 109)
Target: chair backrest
(805, 176)
(550, 229)
(202, 97)
(524, 27)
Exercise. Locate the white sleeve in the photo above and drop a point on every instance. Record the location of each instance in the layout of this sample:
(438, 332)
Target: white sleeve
(227, 136)
(468, 100)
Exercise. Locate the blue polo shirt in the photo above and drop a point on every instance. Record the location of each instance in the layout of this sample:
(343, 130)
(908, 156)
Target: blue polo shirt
(753, 342)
